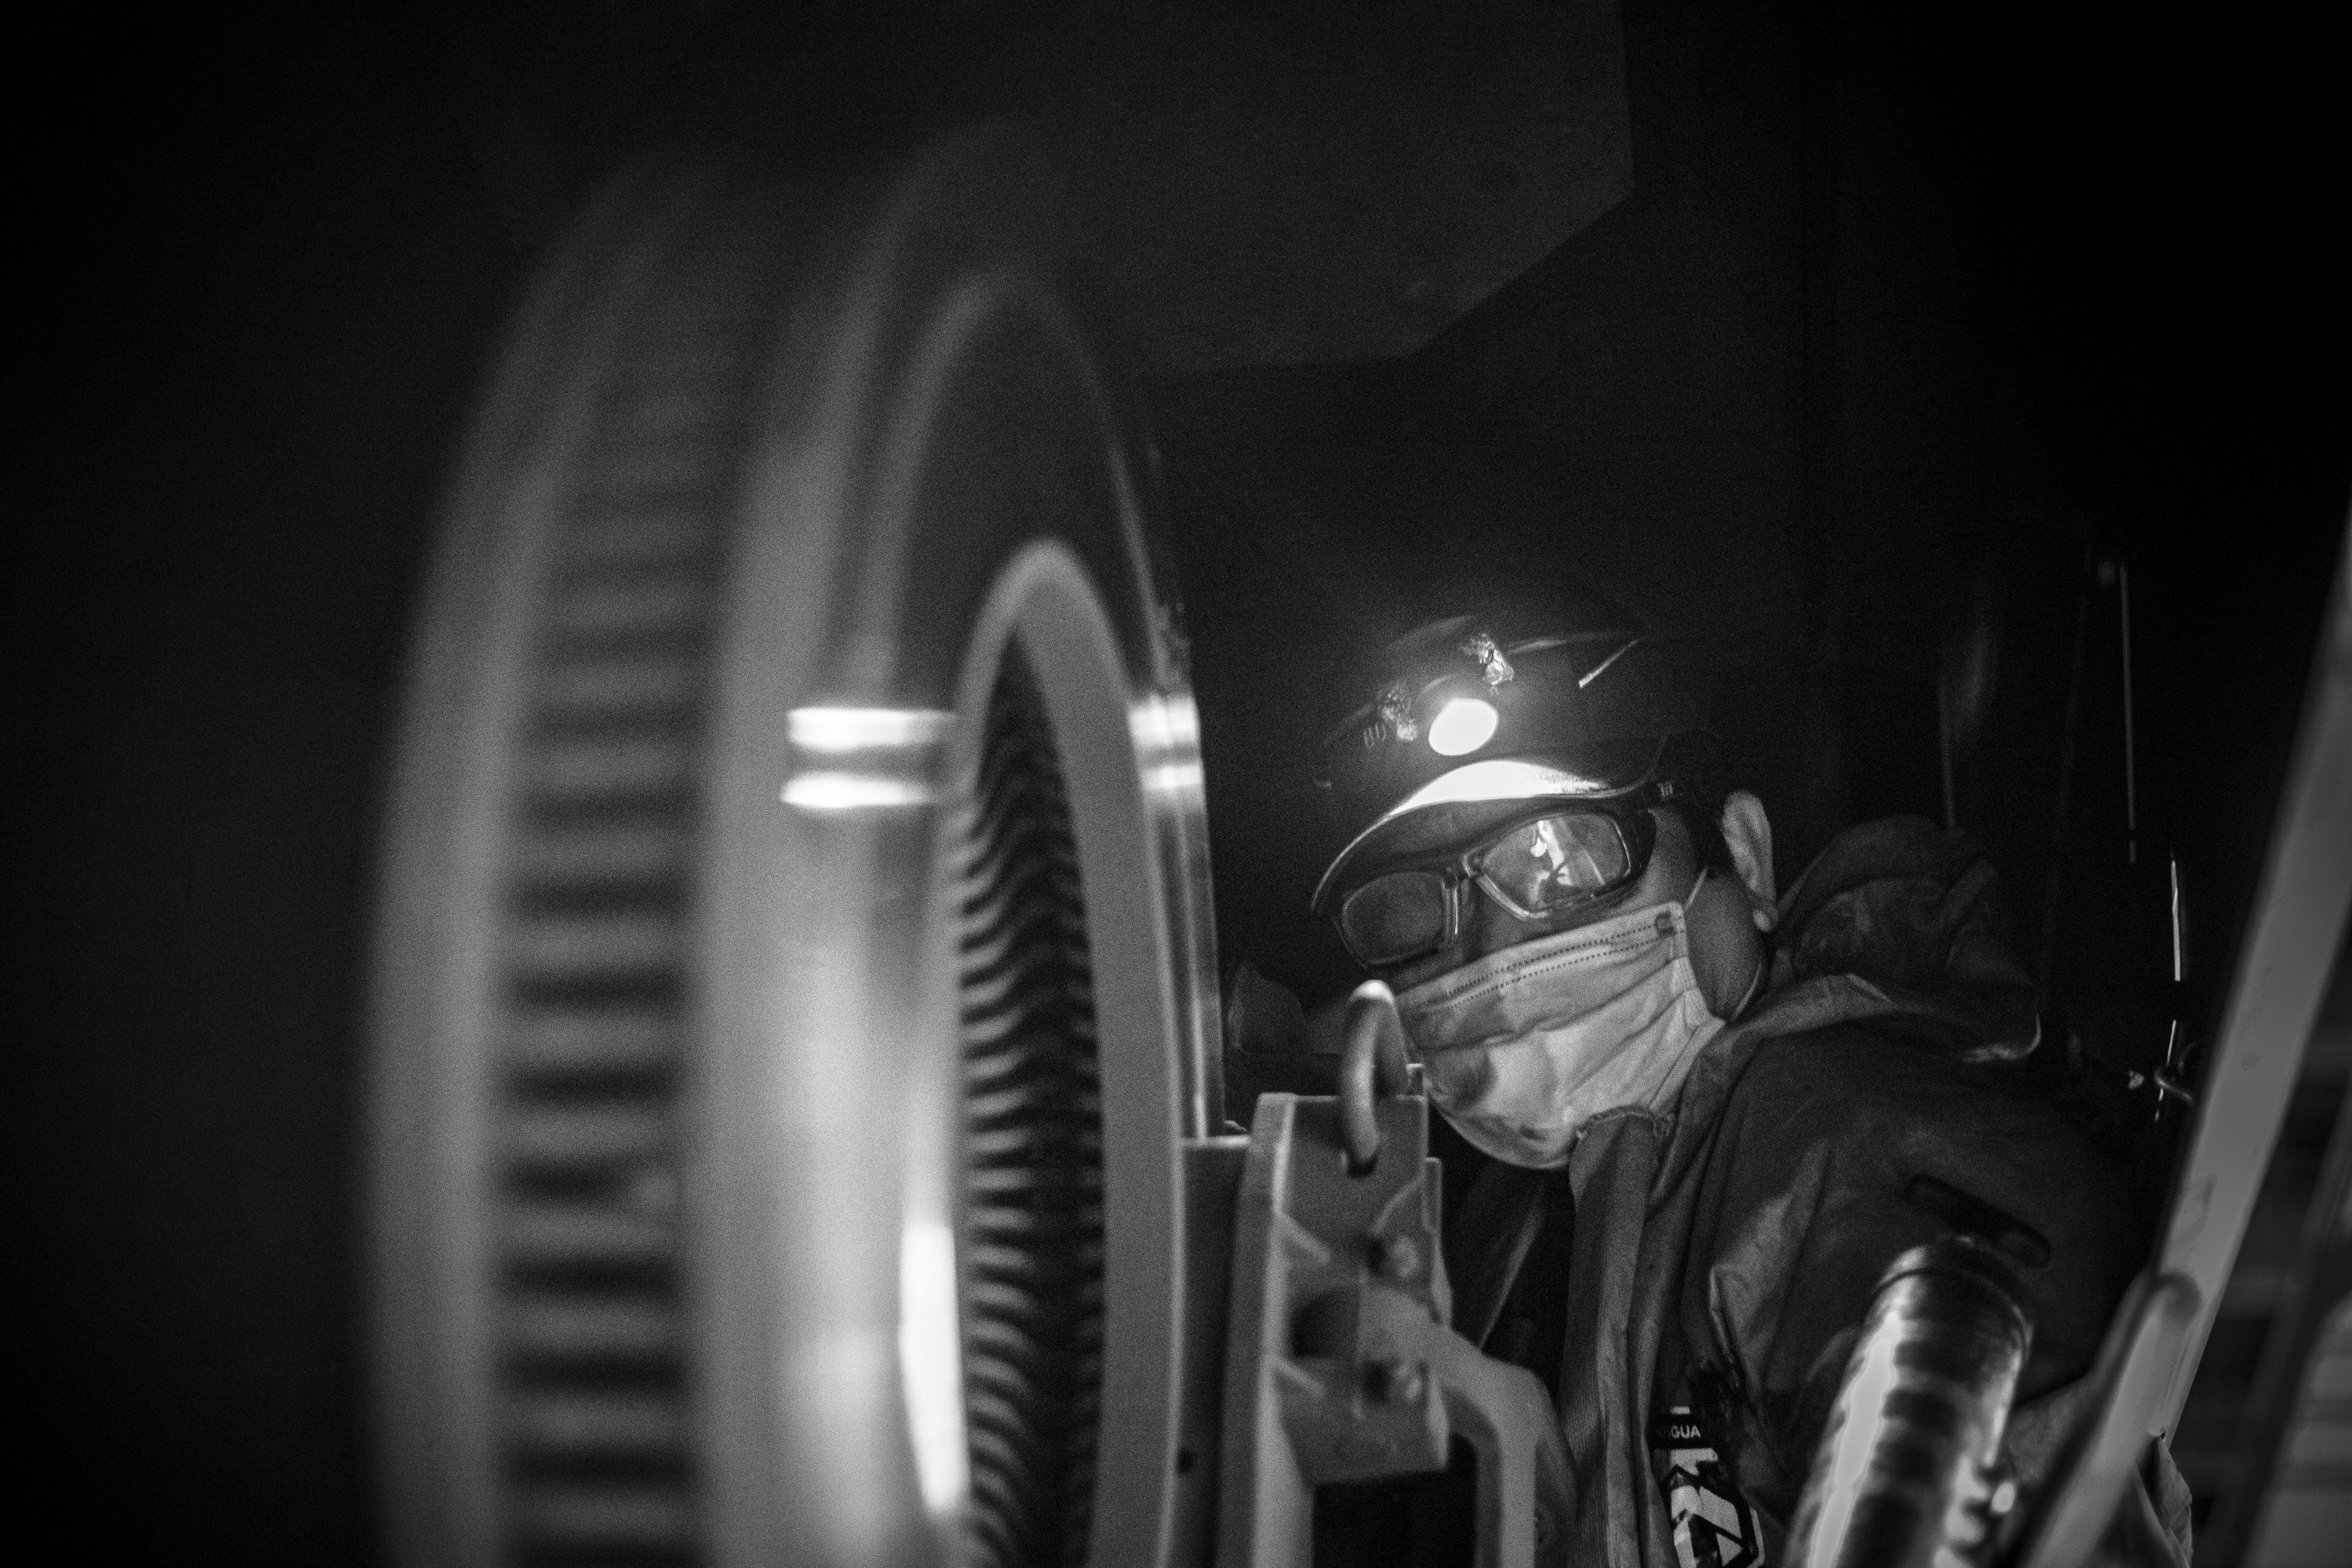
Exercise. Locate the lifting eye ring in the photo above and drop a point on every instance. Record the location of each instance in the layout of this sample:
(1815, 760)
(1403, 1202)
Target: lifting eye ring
(1371, 1067)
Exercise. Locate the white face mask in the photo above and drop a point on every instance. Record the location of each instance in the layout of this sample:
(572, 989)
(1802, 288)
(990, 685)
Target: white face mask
(1524, 1047)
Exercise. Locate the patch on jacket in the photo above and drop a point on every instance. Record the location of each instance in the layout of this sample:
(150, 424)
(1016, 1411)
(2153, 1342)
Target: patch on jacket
(1714, 1526)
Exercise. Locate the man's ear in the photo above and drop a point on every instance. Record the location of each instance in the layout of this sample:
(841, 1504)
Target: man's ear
(1749, 833)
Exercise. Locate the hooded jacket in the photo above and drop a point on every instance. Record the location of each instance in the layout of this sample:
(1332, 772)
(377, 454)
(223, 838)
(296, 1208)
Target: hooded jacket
(1692, 1281)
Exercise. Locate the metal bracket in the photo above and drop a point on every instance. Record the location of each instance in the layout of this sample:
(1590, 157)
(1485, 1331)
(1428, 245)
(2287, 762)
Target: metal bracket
(1339, 1362)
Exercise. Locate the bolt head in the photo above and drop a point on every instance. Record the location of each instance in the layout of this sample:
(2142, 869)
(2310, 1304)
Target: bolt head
(1397, 1258)
(1397, 1382)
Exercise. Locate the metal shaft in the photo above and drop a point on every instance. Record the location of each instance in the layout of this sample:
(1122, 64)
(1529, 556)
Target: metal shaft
(1904, 1474)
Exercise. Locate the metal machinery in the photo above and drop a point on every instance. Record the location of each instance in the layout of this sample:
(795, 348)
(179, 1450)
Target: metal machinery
(798, 1127)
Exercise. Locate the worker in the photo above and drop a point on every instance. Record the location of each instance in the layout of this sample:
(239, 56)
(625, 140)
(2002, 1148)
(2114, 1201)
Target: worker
(1708, 1112)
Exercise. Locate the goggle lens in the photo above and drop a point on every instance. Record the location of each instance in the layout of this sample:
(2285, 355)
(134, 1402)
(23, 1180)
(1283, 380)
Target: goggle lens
(1391, 919)
(1555, 863)
(1546, 867)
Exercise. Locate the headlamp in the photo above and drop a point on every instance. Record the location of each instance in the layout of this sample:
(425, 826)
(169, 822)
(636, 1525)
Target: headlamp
(1461, 725)
(1454, 713)
(1566, 715)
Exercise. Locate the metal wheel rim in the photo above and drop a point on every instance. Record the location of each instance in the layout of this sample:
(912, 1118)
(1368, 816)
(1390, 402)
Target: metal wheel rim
(802, 1128)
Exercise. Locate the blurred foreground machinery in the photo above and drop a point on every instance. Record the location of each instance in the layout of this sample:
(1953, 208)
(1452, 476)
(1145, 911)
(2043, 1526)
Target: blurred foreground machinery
(797, 1119)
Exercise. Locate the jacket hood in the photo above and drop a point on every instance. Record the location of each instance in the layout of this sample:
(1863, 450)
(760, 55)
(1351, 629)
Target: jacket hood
(1910, 909)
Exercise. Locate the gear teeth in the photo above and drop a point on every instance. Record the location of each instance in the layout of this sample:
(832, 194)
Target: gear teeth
(1033, 1294)
(590, 1320)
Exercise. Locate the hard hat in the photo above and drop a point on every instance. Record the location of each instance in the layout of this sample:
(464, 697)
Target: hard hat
(1463, 726)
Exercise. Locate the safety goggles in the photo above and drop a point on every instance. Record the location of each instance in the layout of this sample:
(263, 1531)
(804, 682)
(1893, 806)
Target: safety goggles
(1539, 866)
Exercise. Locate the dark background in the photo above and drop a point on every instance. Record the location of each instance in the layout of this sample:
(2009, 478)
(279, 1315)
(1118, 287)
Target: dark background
(1896, 306)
